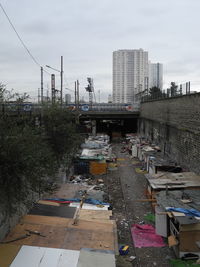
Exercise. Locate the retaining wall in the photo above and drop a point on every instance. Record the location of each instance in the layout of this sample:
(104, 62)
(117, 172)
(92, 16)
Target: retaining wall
(174, 124)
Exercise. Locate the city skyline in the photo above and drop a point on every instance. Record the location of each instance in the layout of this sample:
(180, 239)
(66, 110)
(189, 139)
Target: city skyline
(86, 34)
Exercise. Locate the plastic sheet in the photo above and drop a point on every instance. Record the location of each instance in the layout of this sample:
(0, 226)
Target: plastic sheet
(88, 200)
(145, 236)
(189, 212)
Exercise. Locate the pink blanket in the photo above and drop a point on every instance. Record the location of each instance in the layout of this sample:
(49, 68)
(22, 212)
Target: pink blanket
(144, 236)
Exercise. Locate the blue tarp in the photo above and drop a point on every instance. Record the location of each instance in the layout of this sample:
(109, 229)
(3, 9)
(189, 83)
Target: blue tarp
(189, 212)
(88, 200)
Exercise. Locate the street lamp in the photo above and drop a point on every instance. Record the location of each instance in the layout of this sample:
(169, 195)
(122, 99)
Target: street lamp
(61, 78)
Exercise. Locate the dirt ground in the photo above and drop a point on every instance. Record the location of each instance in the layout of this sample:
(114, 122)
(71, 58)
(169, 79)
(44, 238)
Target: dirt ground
(124, 187)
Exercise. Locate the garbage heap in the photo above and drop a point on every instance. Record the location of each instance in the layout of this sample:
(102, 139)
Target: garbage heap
(174, 194)
(72, 227)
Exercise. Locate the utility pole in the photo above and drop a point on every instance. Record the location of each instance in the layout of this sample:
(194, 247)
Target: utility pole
(38, 95)
(77, 82)
(75, 100)
(61, 81)
(42, 85)
(53, 89)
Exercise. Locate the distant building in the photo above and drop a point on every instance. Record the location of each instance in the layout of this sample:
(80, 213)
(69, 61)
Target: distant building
(67, 98)
(155, 75)
(130, 74)
(109, 98)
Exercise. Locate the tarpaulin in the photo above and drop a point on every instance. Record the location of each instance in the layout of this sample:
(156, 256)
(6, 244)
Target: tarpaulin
(145, 236)
(88, 200)
(190, 212)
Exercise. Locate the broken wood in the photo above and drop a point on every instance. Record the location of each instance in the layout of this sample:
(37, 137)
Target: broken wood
(146, 200)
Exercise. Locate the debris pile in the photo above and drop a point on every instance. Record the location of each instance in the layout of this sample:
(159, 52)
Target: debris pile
(175, 197)
(73, 226)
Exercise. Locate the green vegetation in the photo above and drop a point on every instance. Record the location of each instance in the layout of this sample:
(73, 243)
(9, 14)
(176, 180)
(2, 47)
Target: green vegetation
(32, 152)
(155, 92)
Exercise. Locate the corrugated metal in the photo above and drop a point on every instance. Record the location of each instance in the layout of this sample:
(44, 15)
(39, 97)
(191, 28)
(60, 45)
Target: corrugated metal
(29, 256)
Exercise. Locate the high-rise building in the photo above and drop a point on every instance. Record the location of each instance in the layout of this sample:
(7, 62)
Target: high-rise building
(109, 98)
(130, 74)
(156, 75)
(67, 98)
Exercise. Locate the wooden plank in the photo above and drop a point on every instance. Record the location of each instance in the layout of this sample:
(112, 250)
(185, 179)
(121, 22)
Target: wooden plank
(7, 254)
(146, 200)
(172, 241)
(45, 220)
(46, 202)
(95, 215)
(85, 234)
(79, 238)
(54, 235)
(188, 241)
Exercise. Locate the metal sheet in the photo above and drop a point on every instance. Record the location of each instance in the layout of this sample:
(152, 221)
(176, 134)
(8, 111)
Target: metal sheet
(97, 259)
(45, 257)
(49, 210)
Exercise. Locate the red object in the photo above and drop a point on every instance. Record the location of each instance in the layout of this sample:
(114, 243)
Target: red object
(145, 236)
(59, 201)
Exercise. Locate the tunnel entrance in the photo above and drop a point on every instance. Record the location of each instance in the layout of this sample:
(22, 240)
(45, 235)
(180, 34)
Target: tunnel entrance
(120, 126)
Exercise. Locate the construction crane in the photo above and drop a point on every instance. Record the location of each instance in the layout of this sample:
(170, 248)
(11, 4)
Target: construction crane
(90, 90)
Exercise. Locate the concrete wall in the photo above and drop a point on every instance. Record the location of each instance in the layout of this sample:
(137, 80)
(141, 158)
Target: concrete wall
(174, 124)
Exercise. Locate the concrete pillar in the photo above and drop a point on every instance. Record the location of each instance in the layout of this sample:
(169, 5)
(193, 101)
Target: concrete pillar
(94, 127)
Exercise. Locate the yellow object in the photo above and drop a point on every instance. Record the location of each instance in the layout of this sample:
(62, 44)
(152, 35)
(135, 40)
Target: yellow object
(138, 170)
(121, 159)
(125, 248)
(97, 168)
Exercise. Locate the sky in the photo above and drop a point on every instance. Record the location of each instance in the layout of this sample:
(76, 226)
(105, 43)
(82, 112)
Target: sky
(86, 32)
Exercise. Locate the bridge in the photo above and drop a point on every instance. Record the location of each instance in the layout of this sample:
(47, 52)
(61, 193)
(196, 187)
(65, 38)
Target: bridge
(104, 117)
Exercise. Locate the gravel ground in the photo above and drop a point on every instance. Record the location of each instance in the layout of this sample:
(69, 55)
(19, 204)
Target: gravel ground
(125, 186)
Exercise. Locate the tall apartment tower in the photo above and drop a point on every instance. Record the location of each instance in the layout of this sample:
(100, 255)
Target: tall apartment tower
(130, 74)
(156, 75)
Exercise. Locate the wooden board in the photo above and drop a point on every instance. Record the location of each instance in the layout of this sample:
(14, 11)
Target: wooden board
(188, 241)
(45, 220)
(45, 202)
(7, 254)
(97, 168)
(93, 214)
(68, 191)
(85, 234)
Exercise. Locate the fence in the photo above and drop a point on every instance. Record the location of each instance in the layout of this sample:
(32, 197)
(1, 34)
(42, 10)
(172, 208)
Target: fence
(182, 89)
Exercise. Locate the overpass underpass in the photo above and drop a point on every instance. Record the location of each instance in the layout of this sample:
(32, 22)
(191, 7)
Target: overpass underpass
(113, 123)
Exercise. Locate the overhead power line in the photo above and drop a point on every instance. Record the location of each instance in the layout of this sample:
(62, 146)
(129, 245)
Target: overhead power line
(20, 39)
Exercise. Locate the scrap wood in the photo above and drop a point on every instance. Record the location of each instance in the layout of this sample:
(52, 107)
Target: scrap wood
(7, 254)
(172, 241)
(76, 215)
(46, 202)
(34, 233)
(138, 170)
(146, 200)
(15, 239)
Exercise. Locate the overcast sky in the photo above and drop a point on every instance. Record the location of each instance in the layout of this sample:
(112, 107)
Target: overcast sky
(86, 32)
